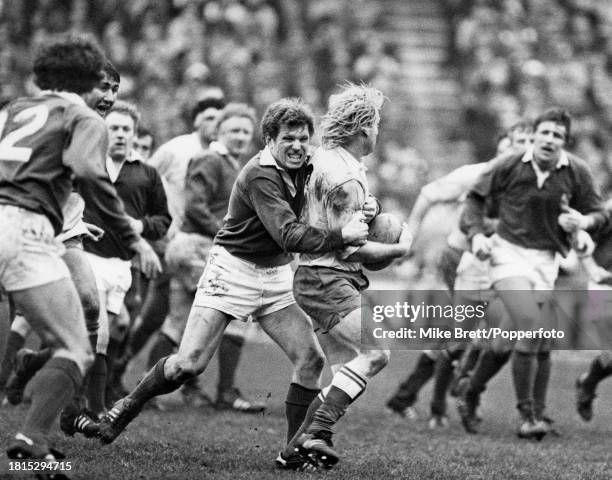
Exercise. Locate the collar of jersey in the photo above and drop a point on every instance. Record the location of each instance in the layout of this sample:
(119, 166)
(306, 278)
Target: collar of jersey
(562, 162)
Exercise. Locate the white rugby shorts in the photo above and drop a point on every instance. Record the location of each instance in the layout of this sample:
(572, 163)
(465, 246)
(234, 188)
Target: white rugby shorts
(241, 289)
(113, 279)
(30, 256)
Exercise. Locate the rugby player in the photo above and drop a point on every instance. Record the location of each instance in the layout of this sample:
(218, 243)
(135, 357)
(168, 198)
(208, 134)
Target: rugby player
(328, 285)
(248, 271)
(453, 187)
(54, 137)
(527, 237)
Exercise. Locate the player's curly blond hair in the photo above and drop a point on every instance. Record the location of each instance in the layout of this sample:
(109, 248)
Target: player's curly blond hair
(356, 107)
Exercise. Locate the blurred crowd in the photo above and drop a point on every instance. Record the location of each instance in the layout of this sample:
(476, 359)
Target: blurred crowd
(513, 58)
(518, 57)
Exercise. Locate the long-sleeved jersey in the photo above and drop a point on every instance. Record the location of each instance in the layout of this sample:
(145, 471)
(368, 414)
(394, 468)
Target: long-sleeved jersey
(46, 143)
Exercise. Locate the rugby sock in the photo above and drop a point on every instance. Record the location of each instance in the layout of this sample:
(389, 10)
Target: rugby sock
(468, 362)
(14, 343)
(52, 389)
(153, 384)
(33, 363)
(346, 386)
(540, 385)
(96, 384)
(229, 356)
(296, 405)
(408, 390)
(597, 372)
(523, 373)
(488, 365)
(114, 370)
(93, 340)
(163, 347)
(443, 376)
(310, 412)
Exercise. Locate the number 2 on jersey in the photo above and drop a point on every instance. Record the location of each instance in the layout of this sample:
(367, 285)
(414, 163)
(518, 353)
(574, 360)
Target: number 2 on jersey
(33, 119)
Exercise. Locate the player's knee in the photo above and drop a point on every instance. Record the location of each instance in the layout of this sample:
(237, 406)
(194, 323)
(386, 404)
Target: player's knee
(182, 370)
(502, 347)
(83, 356)
(312, 361)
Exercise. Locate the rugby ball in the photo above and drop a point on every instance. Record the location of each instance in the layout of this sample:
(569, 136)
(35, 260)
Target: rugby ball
(385, 228)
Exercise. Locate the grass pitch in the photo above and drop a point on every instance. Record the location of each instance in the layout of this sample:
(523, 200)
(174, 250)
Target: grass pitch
(186, 443)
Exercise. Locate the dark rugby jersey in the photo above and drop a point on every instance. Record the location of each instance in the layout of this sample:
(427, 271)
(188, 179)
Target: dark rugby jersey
(208, 186)
(261, 225)
(48, 141)
(528, 214)
(140, 188)
(603, 239)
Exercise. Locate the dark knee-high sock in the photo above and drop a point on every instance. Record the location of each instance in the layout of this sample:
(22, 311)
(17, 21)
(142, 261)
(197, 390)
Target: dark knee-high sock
(468, 362)
(347, 385)
(540, 385)
(296, 406)
(13, 344)
(523, 374)
(597, 372)
(37, 361)
(317, 401)
(229, 356)
(96, 384)
(163, 347)
(443, 376)
(52, 389)
(153, 384)
(408, 390)
(93, 340)
(488, 365)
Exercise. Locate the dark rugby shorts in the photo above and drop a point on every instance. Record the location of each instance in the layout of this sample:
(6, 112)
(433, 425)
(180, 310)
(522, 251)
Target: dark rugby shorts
(327, 294)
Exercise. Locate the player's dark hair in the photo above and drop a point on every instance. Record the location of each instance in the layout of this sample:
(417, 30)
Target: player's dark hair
(126, 108)
(557, 115)
(207, 102)
(71, 64)
(289, 112)
(111, 71)
(236, 110)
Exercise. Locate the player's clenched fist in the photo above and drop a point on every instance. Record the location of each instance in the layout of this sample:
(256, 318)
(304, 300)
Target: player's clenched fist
(355, 232)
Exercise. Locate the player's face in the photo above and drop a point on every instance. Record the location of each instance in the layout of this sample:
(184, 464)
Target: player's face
(290, 147)
(121, 135)
(371, 135)
(143, 145)
(548, 141)
(206, 123)
(103, 95)
(521, 139)
(236, 134)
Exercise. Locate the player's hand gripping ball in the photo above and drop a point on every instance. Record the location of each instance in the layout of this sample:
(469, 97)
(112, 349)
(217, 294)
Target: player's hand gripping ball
(385, 228)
